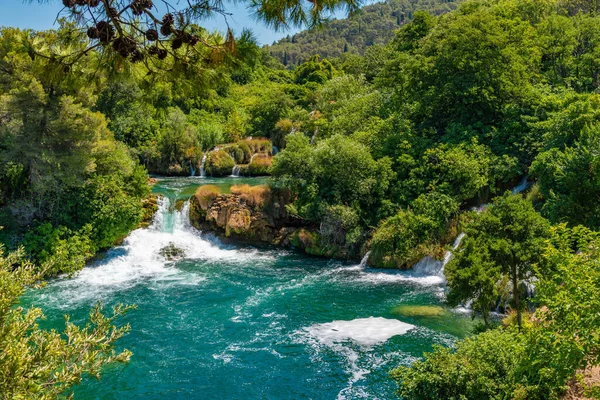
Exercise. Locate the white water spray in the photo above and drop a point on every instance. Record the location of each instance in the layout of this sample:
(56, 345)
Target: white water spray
(521, 186)
(365, 260)
(202, 164)
(235, 172)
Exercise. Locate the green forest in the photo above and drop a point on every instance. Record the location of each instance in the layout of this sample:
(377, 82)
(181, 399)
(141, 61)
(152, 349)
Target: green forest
(366, 31)
(385, 135)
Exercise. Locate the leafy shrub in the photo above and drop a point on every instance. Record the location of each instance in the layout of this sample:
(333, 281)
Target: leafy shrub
(60, 249)
(341, 227)
(482, 367)
(176, 170)
(242, 145)
(259, 145)
(411, 234)
(236, 153)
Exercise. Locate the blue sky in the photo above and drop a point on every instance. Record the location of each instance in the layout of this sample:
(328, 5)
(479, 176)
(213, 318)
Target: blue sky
(33, 15)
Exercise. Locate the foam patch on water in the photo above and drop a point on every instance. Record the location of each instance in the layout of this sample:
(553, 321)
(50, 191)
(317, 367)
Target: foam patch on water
(364, 331)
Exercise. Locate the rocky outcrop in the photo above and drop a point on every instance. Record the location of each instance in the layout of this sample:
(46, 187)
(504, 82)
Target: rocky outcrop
(257, 215)
(243, 217)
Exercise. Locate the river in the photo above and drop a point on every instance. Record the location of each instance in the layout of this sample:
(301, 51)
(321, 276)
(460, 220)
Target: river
(239, 322)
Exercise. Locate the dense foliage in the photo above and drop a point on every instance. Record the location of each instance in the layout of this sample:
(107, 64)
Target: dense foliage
(44, 364)
(536, 363)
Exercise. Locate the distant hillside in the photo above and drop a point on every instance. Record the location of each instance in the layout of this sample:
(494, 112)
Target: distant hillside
(374, 24)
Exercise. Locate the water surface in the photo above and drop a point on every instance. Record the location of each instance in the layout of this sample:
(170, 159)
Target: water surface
(238, 322)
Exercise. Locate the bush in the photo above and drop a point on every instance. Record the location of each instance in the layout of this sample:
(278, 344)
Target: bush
(255, 196)
(60, 249)
(340, 227)
(482, 367)
(205, 195)
(176, 170)
(219, 163)
(260, 165)
(413, 233)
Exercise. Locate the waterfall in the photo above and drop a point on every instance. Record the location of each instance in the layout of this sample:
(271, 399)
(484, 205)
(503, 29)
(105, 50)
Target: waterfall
(192, 169)
(521, 186)
(235, 172)
(314, 136)
(202, 171)
(365, 259)
(448, 255)
(430, 267)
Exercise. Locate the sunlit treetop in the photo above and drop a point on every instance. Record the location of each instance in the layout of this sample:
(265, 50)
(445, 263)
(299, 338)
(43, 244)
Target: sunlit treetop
(140, 29)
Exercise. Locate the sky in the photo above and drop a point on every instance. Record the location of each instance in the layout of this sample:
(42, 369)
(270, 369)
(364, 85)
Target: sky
(33, 15)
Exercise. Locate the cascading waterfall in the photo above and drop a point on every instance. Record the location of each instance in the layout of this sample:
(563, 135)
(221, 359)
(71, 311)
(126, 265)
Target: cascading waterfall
(521, 186)
(448, 255)
(429, 266)
(202, 164)
(147, 254)
(365, 260)
(235, 172)
(192, 170)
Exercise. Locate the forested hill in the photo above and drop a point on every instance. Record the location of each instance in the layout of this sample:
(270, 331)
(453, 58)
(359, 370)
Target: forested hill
(374, 24)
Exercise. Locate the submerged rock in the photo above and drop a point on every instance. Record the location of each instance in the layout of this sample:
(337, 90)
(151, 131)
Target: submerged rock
(171, 252)
(418, 311)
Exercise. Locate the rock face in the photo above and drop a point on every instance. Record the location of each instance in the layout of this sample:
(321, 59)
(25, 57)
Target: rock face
(258, 219)
(237, 217)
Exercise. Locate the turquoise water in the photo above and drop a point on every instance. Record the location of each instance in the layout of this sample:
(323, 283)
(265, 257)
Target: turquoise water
(239, 322)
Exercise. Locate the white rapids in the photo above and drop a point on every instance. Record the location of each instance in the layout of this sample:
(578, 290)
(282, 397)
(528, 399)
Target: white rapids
(141, 258)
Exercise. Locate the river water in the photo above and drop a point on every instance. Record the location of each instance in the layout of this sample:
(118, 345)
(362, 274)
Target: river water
(239, 322)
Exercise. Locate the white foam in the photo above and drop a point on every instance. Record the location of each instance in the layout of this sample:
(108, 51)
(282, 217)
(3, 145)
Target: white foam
(363, 331)
(139, 258)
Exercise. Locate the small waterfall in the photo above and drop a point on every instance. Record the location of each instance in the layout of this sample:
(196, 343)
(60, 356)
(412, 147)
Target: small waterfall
(202, 164)
(314, 136)
(365, 259)
(521, 186)
(448, 255)
(163, 217)
(192, 170)
(430, 267)
(235, 172)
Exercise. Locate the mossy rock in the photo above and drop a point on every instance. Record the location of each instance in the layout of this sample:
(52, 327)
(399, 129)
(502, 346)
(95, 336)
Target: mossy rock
(310, 242)
(149, 208)
(171, 252)
(260, 165)
(419, 311)
(179, 205)
(219, 163)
